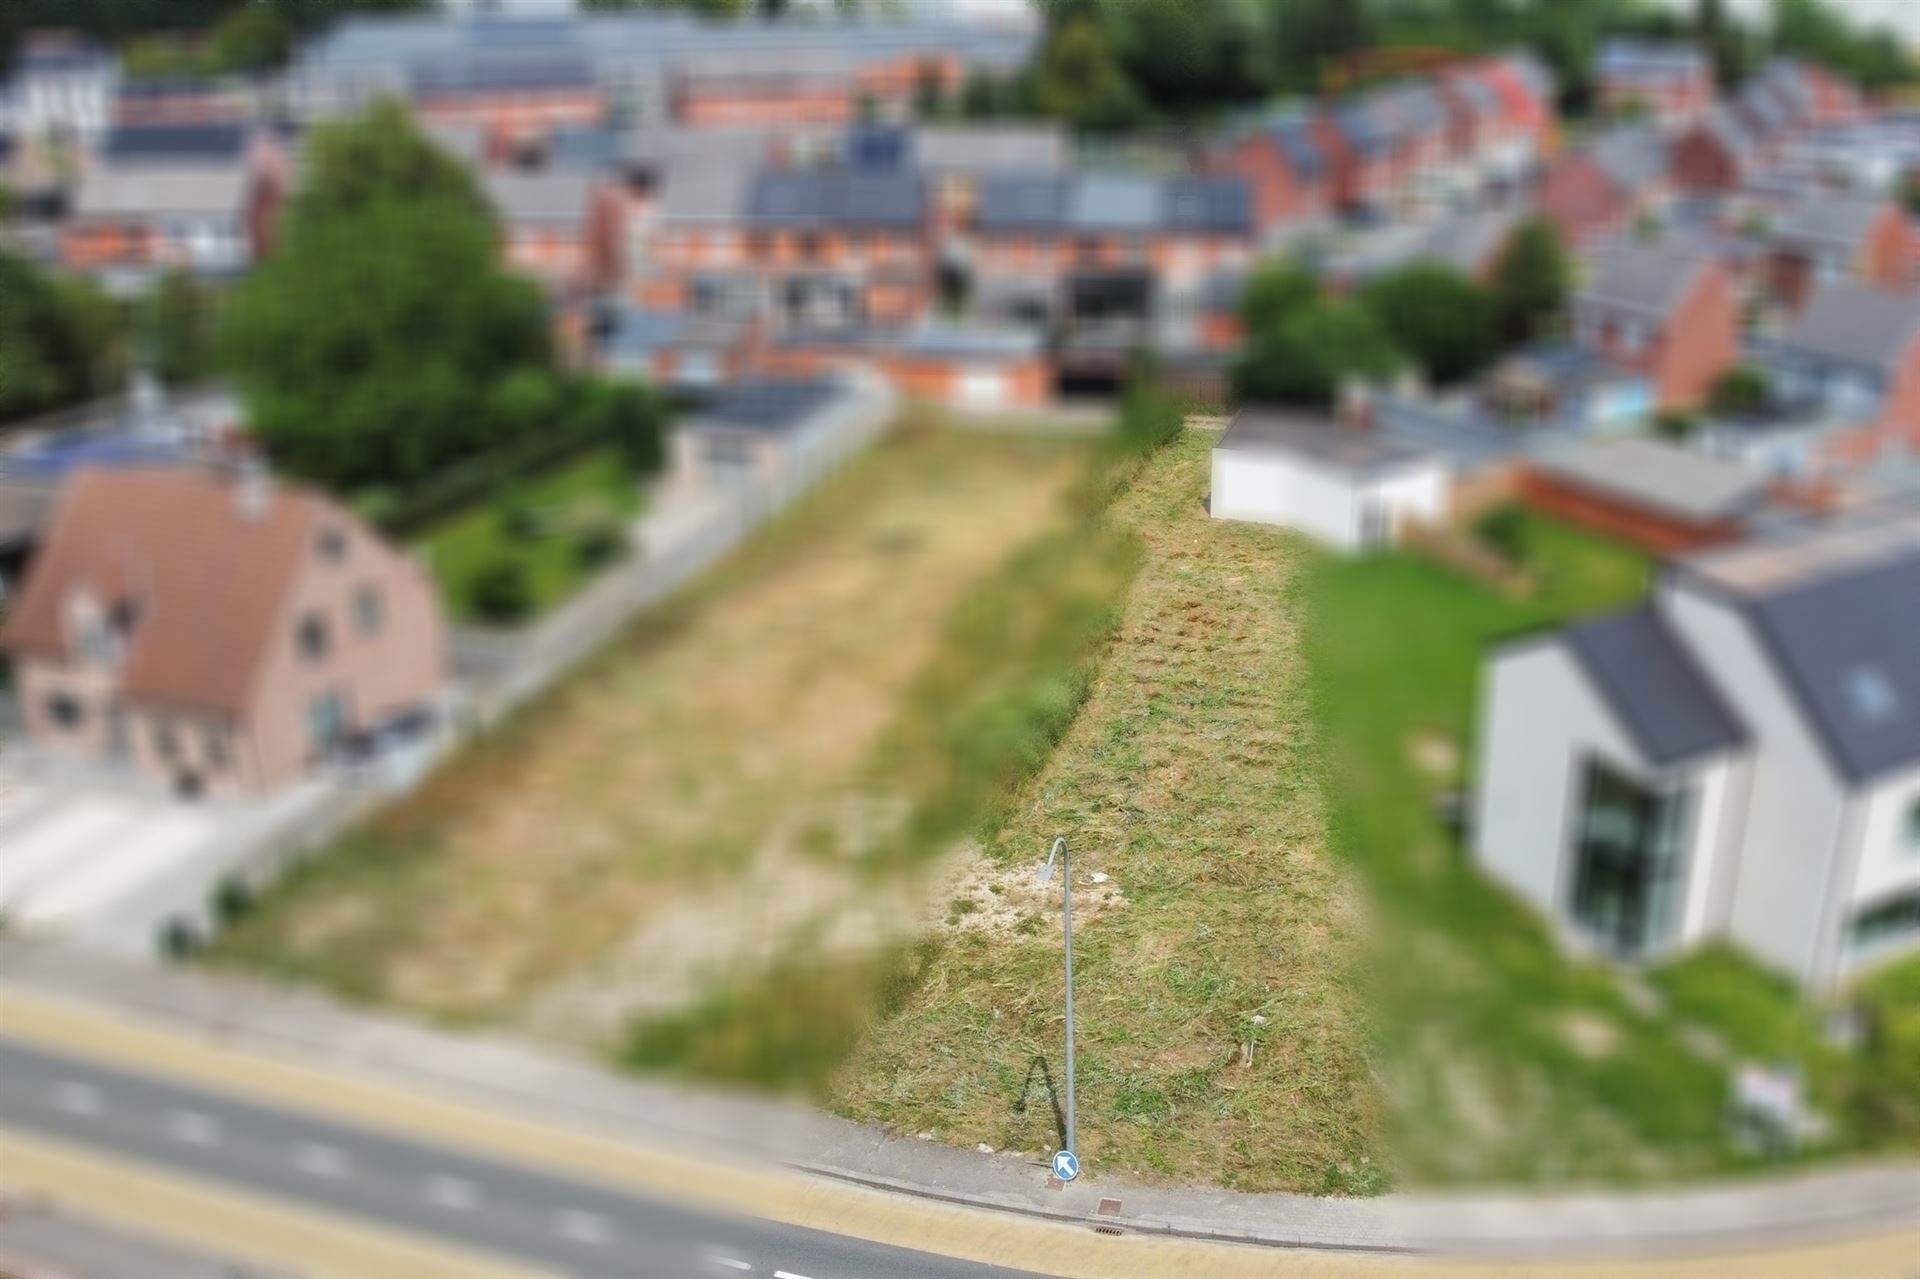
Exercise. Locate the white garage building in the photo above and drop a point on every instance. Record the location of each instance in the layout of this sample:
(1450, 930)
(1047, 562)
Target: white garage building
(1352, 488)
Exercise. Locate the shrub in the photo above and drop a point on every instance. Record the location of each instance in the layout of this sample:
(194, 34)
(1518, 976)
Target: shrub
(232, 899)
(519, 518)
(1739, 391)
(1675, 424)
(502, 591)
(598, 541)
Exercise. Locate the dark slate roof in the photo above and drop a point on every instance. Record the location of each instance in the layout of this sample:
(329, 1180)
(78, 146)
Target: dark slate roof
(1294, 135)
(457, 77)
(771, 405)
(1023, 202)
(1115, 202)
(1855, 324)
(878, 148)
(1321, 440)
(1650, 279)
(1654, 687)
(1632, 156)
(1845, 647)
(162, 142)
(837, 197)
(1197, 203)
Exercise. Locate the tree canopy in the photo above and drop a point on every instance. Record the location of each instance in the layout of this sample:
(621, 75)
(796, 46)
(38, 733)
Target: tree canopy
(1441, 320)
(1301, 347)
(176, 325)
(61, 339)
(1531, 282)
(376, 156)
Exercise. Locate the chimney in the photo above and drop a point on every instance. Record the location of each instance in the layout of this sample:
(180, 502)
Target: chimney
(1355, 411)
(252, 489)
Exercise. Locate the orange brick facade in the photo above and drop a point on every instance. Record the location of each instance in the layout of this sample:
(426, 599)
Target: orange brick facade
(1690, 347)
(1654, 531)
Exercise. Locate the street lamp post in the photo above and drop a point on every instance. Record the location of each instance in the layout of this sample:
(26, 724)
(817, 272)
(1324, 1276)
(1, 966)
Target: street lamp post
(1066, 921)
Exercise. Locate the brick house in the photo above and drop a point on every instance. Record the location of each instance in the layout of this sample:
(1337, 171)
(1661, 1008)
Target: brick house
(1385, 145)
(508, 95)
(1833, 236)
(216, 633)
(1851, 356)
(1673, 82)
(1663, 498)
(1279, 156)
(839, 249)
(772, 87)
(563, 227)
(1715, 153)
(1596, 189)
(200, 197)
(1667, 310)
(982, 369)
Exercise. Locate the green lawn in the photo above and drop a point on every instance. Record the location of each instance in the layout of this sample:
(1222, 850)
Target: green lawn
(591, 486)
(1501, 1058)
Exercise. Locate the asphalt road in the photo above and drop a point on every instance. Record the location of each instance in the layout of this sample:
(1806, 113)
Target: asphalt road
(570, 1226)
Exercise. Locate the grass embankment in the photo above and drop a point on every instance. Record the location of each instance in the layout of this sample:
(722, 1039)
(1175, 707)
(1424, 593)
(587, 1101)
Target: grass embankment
(761, 773)
(593, 487)
(1190, 781)
(1503, 1059)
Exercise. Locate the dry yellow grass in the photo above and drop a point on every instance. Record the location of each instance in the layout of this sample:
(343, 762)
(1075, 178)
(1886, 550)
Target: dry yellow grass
(1191, 780)
(696, 762)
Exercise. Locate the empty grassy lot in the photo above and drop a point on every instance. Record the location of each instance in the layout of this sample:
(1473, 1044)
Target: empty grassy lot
(1191, 781)
(734, 781)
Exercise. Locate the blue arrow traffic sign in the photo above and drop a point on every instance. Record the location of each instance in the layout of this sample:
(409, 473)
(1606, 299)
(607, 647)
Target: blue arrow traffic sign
(1066, 1165)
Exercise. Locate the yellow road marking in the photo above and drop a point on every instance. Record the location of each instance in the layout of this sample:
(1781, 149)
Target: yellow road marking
(230, 1222)
(1002, 1239)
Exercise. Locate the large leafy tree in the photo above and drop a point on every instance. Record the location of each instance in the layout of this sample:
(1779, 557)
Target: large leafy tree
(374, 346)
(1441, 320)
(1531, 282)
(61, 340)
(1078, 77)
(1311, 352)
(378, 156)
(176, 329)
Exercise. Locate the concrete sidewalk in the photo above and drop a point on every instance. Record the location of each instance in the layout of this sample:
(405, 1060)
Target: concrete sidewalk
(510, 1076)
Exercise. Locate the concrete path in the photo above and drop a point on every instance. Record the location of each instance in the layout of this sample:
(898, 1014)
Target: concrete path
(512, 1078)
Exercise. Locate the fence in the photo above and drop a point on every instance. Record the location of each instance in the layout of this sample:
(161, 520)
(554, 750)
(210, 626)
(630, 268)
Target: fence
(320, 811)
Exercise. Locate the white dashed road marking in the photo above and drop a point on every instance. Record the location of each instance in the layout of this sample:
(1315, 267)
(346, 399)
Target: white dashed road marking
(583, 1227)
(453, 1194)
(321, 1161)
(193, 1128)
(729, 1263)
(787, 1274)
(76, 1098)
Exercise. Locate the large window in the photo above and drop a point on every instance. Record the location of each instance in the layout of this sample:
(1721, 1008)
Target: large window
(1630, 859)
(1891, 924)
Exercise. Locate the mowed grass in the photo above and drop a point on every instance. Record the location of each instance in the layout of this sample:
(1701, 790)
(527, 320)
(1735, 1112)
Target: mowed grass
(1190, 780)
(1501, 1058)
(594, 485)
(697, 796)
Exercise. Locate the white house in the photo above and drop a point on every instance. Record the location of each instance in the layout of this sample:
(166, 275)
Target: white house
(63, 85)
(1350, 487)
(1739, 758)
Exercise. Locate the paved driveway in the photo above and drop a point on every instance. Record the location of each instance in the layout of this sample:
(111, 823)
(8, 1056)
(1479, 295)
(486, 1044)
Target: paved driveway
(109, 863)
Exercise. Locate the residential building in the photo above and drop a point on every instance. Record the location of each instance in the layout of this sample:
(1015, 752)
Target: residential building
(1386, 146)
(1671, 82)
(1666, 308)
(1347, 485)
(63, 86)
(750, 430)
(1715, 153)
(215, 633)
(1280, 157)
(564, 227)
(970, 367)
(1661, 497)
(199, 197)
(1831, 236)
(509, 94)
(1737, 759)
(158, 103)
(1853, 355)
(1595, 190)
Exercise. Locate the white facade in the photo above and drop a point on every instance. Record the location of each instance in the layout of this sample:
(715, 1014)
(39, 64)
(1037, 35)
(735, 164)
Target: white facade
(1780, 853)
(1542, 721)
(1348, 509)
(75, 103)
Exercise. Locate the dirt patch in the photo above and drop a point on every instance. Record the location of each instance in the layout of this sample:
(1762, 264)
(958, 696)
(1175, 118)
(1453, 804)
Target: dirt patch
(1434, 755)
(1589, 1034)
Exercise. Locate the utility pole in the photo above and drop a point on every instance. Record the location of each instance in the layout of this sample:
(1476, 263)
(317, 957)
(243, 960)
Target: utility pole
(1068, 1168)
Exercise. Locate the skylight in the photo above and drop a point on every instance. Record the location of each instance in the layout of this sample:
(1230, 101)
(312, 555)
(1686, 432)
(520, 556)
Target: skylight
(1870, 695)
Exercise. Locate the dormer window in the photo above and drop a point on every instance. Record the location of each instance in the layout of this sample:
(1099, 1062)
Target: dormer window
(313, 638)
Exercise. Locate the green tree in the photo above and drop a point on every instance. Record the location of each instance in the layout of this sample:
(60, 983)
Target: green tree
(1312, 353)
(1438, 318)
(61, 339)
(374, 345)
(176, 328)
(1150, 416)
(252, 39)
(1273, 292)
(1531, 282)
(1078, 77)
(628, 416)
(376, 156)
(1741, 390)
